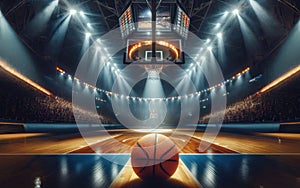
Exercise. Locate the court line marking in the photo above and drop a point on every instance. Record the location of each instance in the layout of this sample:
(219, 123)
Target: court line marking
(215, 144)
(190, 173)
(90, 144)
(119, 176)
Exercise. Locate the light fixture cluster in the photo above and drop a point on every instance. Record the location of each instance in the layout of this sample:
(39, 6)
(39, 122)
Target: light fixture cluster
(208, 42)
(88, 34)
(193, 67)
(218, 25)
(74, 12)
(171, 98)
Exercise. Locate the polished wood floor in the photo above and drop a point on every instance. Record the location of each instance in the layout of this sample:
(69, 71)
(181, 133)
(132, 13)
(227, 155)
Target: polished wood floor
(195, 169)
(44, 143)
(124, 142)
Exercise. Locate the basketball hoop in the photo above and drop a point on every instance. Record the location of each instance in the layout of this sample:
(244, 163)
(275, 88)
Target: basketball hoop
(153, 71)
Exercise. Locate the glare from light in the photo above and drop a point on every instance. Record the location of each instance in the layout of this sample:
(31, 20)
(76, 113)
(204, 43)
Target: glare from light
(88, 24)
(219, 35)
(73, 11)
(208, 40)
(87, 34)
(15, 73)
(153, 130)
(218, 25)
(114, 171)
(81, 13)
(236, 11)
(281, 79)
(209, 48)
(226, 13)
(149, 13)
(98, 48)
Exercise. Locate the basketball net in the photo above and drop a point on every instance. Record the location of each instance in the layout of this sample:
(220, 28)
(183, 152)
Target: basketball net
(153, 71)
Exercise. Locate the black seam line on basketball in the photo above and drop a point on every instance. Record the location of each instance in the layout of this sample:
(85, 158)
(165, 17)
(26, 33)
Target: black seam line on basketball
(162, 156)
(164, 170)
(142, 169)
(161, 166)
(154, 160)
(172, 160)
(145, 152)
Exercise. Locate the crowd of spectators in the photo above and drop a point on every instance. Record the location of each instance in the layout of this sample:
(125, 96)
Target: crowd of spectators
(42, 108)
(281, 104)
(22, 103)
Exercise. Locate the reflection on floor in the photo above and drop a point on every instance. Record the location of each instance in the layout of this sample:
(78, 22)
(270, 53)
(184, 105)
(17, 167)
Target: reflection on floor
(243, 170)
(216, 170)
(59, 170)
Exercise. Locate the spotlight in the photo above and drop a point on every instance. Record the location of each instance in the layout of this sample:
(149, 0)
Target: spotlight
(88, 24)
(98, 40)
(73, 11)
(81, 13)
(219, 35)
(207, 40)
(236, 11)
(218, 25)
(98, 48)
(209, 48)
(226, 13)
(149, 13)
(87, 34)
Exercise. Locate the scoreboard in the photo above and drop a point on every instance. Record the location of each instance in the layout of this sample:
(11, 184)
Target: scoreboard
(136, 28)
(182, 23)
(126, 23)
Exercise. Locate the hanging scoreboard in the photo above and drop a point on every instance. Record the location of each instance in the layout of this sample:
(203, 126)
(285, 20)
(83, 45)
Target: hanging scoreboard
(163, 19)
(182, 23)
(126, 23)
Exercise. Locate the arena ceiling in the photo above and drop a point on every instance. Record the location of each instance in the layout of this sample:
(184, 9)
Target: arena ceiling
(102, 16)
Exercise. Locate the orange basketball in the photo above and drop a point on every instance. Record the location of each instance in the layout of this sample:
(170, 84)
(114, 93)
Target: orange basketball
(154, 157)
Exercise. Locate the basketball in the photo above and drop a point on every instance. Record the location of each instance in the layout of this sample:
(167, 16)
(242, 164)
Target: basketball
(154, 157)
